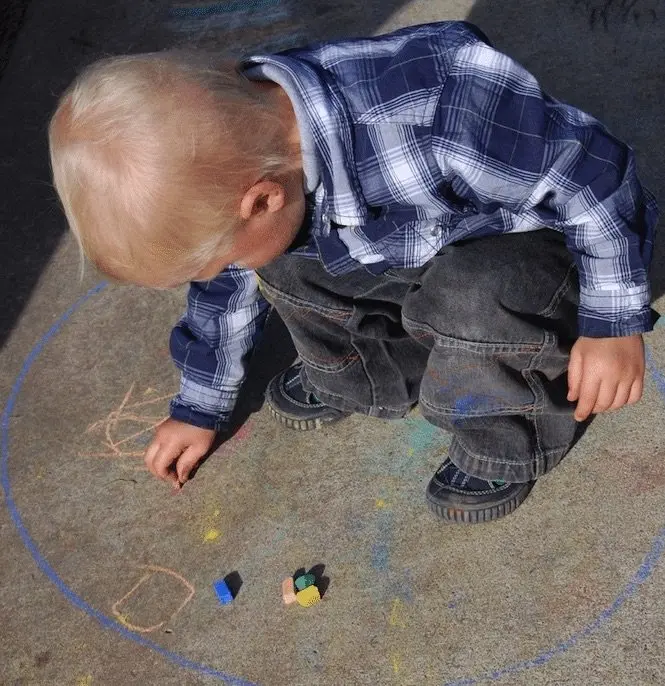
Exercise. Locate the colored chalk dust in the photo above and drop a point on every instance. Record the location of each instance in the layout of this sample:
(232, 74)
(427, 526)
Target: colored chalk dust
(639, 577)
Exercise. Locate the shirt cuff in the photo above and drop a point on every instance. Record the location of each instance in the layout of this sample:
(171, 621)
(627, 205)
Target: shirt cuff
(190, 415)
(200, 405)
(616, 312)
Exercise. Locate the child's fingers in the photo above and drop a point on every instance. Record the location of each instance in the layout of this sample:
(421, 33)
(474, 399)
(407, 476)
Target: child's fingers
(606, 396)
(621, 397)
(588, 394)
(162, 461)
(574, 375)
(150, 454)
(187, 461)
(635, 391)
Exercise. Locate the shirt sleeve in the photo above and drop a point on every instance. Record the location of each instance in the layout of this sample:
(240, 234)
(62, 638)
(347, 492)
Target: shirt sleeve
(507, 147)
(211, 346)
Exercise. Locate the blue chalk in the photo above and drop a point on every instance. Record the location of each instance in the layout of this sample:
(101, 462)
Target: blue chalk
(223, 592)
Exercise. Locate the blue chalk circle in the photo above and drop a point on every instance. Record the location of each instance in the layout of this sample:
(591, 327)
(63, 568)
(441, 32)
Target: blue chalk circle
(651, 562)
(223, 592)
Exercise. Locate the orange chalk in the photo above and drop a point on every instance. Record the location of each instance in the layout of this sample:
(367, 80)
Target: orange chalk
(288, 592)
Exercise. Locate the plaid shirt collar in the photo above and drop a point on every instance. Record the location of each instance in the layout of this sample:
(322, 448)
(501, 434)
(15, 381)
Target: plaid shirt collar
(343, 203)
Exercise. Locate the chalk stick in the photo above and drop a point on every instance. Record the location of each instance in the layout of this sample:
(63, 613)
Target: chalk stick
(288, 593)
(302, 582)
(310, 596)
(223, 592)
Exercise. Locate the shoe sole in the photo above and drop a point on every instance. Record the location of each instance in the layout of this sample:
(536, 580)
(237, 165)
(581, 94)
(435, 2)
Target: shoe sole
(458, 515)
(302, 424)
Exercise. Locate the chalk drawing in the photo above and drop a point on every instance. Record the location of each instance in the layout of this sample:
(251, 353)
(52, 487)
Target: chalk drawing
(123, 617)
(223, 24)
(457, 597)
(230, 16)
(642, 575)
(203, 10)
(656, 374)
(128, 414)
(84, 680)
(397, 614)
(381, 549)
(608, 13)
(211, 535)
(421, 437)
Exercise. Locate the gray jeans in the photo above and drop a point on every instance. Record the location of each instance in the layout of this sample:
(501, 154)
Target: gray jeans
(480, 337)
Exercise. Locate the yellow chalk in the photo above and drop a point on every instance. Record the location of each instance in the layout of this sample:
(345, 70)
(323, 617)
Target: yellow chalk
(396, 618)
(212, 535)
(123, 618)
(308, 596)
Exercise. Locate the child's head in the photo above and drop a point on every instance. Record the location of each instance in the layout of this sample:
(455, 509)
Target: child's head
(162, 162)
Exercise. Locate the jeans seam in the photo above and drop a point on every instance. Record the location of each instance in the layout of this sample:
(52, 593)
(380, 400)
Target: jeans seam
(344, 362)
(332, 312)
(473, 346)
(559, 294)
(366, 409)
(537, 397)
(450, 412)
(368, 377)
(482, 458)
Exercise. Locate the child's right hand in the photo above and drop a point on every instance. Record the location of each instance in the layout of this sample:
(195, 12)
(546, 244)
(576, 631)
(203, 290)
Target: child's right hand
(176, 449)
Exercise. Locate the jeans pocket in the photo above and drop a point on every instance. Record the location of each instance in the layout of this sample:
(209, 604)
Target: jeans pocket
(319, 334)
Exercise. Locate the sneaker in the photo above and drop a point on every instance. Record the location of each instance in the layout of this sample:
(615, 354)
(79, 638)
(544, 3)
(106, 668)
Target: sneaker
(295, 407)
(455, 496)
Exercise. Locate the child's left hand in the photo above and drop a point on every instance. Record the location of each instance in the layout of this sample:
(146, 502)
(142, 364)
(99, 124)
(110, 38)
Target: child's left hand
(605, 374)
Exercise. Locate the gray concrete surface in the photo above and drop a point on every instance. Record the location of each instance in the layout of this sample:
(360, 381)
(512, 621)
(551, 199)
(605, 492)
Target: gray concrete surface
(107, 578)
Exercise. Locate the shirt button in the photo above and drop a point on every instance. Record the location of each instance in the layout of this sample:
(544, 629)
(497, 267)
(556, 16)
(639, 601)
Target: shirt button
(436, 231)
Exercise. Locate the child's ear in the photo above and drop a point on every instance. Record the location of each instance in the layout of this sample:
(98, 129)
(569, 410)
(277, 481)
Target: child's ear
(262, 198)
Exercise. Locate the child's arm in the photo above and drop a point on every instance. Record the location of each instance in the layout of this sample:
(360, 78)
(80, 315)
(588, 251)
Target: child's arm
(509, 149)
(212, 343)
(211, 346)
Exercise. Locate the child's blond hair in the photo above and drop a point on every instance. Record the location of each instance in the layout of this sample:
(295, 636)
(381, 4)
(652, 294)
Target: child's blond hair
(151, 155)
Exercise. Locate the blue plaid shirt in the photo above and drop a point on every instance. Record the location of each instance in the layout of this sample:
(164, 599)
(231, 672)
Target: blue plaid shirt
(424, 137)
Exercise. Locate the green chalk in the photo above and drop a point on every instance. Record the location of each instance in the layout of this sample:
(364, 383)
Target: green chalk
(302, 582)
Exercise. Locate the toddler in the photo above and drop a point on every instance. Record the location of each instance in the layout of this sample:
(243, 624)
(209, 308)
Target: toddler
(431, 226)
